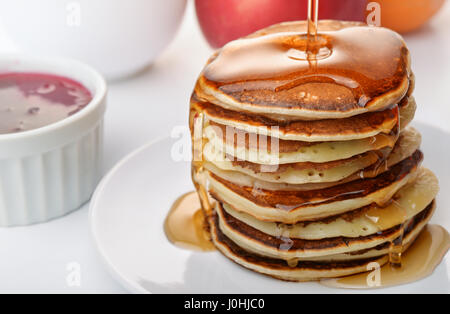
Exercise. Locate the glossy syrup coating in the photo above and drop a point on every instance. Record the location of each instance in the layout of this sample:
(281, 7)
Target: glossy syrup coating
(346, 71)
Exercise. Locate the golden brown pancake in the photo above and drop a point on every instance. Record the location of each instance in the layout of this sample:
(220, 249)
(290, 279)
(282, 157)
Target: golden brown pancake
(319, 152)
(405, 204)
(360, 126)
(293, 206)
(271, 177)
(407, 111)
(264, 73)
(300, 173)
(306, 270)
(285, 248)
(294, 134)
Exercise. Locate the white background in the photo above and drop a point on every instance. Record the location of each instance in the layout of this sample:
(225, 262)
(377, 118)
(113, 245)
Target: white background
(147, 106)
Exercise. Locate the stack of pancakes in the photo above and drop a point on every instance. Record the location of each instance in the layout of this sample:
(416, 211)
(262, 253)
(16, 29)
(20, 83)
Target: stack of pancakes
(312, 180)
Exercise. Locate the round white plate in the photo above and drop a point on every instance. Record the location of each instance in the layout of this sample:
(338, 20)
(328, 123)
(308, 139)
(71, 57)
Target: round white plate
(130, 205)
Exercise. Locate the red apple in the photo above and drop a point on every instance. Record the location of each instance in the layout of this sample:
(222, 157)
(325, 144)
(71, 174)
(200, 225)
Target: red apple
(224, 20)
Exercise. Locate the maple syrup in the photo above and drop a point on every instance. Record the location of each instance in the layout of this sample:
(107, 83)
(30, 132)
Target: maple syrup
(418, 262)
(185, 225)
(313, 19)
(339, 70)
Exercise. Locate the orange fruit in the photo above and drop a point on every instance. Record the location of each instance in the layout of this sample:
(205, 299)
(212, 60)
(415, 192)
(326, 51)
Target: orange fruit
(407, 15)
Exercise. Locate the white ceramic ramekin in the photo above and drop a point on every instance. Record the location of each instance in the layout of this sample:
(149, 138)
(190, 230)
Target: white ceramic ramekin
(48, 172)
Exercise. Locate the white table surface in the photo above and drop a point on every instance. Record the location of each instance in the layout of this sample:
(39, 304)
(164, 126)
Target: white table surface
(147, 106)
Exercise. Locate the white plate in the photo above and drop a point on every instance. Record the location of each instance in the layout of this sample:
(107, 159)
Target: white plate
(130, 205)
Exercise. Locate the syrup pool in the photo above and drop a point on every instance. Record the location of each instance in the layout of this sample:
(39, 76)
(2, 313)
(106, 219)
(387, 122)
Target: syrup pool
(30, 101)
(185, 226)
(418, 262)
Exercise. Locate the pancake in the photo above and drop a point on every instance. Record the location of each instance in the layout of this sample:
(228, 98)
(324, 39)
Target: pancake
(318, 152)
(268, 150)
(307, 173)
(408, 142)
(331, 266)
(294, 206)
(299, 173)
(406, 203)
(383, 249)
(357, 127)
(255, 241)
(264, 74)
(407, 112)
(304, 271)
